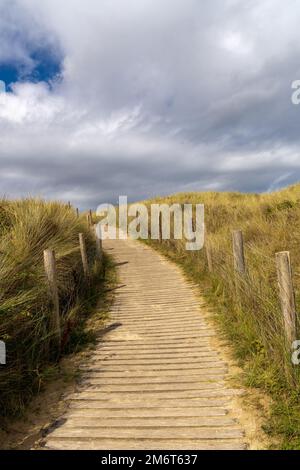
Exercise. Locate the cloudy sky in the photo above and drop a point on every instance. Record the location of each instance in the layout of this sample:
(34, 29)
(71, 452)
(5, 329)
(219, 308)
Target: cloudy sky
(147, 97)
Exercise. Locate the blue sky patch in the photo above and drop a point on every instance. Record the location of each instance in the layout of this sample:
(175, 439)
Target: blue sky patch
(8, 74)
(46, 67)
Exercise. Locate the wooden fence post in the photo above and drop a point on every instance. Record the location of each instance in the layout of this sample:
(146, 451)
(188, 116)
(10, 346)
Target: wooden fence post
(88, 218)
(77, 213)
(51, 273)
(209, 257)
(238, 252)
(287, 294)
(98, 244)
(160, 228)
(208, 251)
(84, 257)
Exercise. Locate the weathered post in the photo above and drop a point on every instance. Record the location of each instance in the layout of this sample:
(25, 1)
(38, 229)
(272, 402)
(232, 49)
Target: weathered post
(77, 213)
(209, 257)
(208, 251)
(287, 294)
(51, 273)
(99, 251)
(84, 257)
(238, 252)
(91, 216)
(2, 353)
(69, 205)
(149, 223)
(160, 228)
(89, 220)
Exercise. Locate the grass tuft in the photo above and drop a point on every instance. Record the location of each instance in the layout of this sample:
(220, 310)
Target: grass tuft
(27, 228)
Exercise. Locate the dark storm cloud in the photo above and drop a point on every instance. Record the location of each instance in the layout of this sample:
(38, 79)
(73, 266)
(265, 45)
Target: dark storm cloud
(155, 97)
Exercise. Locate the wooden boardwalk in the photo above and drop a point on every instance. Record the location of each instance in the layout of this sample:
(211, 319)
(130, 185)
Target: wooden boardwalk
(154, 380)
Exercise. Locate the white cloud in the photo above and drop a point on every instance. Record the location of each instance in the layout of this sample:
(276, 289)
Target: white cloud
(236, 43)
(30, 104)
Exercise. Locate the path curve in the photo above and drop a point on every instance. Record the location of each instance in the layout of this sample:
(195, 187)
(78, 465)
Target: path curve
(154, 380)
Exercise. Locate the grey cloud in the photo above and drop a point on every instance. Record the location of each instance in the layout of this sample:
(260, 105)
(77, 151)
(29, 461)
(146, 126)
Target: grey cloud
(156, 97)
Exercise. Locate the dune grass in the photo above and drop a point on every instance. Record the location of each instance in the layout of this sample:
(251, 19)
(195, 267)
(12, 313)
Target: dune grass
(27, 228)
(251, 316)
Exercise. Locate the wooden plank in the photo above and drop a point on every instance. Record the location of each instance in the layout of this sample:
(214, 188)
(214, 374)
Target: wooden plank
(151, 381)
(89, 394)
(186, 372)
(98, 385)
(85, 421)
(153, 413)
(155, 403)
(142, 444)
(133, 433)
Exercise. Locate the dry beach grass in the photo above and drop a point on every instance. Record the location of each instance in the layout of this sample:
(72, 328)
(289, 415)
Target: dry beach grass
(27, 228)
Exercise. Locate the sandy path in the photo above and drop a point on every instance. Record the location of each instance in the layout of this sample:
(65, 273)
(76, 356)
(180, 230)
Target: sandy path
(156, 379)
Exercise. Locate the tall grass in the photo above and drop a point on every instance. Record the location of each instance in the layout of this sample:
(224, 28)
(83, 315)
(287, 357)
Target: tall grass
(250, 312)
(27, 228)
